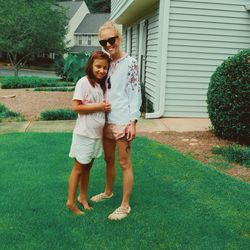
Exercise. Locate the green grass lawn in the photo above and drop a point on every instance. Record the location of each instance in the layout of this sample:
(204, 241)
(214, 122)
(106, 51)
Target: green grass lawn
(177, 202)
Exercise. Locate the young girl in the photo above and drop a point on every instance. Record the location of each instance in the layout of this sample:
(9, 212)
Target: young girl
(89, 103)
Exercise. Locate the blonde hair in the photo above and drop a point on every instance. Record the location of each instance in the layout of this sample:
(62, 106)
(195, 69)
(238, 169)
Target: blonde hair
(110, 25)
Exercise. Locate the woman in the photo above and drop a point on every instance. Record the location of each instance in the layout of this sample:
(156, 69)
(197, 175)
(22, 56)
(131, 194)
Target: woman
(124, 94)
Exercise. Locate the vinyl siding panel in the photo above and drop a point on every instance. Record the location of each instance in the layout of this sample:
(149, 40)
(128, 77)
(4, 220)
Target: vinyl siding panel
(115, 5)
(123, 45)
(134, 50)
(202, 34)
(151, 77)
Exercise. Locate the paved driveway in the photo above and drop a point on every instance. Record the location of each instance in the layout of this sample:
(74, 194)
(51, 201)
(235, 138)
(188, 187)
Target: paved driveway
(28, 72)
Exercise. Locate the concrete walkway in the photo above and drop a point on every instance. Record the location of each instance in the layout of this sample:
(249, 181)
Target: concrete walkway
(144, 125)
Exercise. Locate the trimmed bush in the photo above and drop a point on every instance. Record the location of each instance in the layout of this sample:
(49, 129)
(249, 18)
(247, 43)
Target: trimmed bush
(62, 89)
(228, 98)
(13, 82)
(58, 114)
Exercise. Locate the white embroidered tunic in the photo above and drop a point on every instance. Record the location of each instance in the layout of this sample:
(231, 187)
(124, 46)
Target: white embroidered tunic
(123, 91)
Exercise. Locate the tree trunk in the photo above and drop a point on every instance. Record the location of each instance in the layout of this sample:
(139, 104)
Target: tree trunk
(16, 70)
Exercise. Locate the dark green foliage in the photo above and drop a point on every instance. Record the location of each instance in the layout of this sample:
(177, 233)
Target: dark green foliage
(228, 98)
(234, 153)
(5, 113)
(61, 89)
(97, 6)
(30, 28)
(15, 82)
(59, 66)
(58, 114)
(147, 105)
(74, 66)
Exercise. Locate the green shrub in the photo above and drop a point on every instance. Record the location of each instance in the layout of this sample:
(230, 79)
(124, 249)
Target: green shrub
(147, 105)
(59, 66)
(234, 153)
(5, 113)
(58, 114)
(13, 82)
(63, 89)
(228, 98)
(74, 66)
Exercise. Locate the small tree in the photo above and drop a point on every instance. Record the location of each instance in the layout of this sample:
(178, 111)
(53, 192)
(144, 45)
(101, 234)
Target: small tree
(31, 27)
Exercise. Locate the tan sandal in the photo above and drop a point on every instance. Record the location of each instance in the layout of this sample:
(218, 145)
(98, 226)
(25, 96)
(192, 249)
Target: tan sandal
(101, 197)
(120, 213)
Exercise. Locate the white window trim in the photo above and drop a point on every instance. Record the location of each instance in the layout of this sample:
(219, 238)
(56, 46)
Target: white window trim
(142, 49)
(164, 12)
(128, 39)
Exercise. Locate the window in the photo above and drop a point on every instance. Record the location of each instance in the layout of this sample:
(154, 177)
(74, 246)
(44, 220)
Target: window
(89, 40)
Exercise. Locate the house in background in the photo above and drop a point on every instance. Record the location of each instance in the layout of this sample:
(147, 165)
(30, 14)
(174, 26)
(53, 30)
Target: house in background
(75, 12)
(179, 44)
(86, 34)
(83, 26)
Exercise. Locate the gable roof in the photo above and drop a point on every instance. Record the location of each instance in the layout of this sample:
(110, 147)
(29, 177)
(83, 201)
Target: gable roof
(91, 23)
(80, 49)
(71, 7)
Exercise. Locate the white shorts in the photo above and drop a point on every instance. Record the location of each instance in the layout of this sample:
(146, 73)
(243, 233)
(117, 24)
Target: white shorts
(84, 149)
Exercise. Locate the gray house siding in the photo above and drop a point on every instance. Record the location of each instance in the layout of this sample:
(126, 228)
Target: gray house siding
(135, 40)
(201, 35)
(124, 41)
(151, 58)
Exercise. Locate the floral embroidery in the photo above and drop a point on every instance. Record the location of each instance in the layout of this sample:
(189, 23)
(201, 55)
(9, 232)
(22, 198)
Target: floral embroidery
(133, 74)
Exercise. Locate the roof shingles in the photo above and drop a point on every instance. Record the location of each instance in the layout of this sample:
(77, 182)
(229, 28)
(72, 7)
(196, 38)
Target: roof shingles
(91, 23)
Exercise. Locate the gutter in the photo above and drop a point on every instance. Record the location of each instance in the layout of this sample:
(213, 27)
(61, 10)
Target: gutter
(164, 12)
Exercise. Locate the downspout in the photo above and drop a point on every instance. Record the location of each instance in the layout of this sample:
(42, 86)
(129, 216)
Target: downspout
(164, 12)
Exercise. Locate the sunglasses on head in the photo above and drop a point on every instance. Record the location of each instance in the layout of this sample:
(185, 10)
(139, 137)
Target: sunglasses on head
(111, 41)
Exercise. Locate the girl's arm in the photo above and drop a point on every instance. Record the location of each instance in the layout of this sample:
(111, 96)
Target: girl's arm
(80, 108)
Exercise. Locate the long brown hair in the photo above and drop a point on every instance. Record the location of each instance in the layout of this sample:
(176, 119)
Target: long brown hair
(89, 68)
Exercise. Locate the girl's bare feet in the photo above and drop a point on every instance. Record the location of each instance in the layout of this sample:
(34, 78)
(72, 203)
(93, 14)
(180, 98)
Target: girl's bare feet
(74, 209)
(84, 203)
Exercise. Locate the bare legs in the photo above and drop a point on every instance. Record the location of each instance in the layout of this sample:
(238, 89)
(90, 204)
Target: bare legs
(79, 172)
(125, 163)
(127, 171)
(109, 156)
(84, 182)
